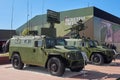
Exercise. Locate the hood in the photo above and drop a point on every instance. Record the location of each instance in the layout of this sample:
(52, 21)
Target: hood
(103, 47)
(99, 49)
(62, 49)
(66, 48)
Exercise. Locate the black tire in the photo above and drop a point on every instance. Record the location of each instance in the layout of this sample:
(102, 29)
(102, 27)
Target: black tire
(108, 61)
(97, 59)
(55, 66)
(76, 69)
(16, 62)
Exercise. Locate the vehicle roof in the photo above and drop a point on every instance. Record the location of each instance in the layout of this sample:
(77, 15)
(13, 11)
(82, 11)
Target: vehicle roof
(73, 39)
(27, 37)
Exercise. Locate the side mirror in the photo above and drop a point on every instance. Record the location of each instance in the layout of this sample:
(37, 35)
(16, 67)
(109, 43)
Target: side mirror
(89, 46)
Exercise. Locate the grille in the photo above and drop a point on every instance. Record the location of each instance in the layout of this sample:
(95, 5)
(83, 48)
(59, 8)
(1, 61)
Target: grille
(76, 55)
(110, 52)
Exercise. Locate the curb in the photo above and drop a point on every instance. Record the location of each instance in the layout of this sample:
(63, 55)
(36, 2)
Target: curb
(4, 60)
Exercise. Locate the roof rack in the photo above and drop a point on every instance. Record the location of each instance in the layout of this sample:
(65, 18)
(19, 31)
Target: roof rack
(28, 37)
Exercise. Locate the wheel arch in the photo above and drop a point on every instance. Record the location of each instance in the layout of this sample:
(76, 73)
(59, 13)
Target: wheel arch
(13, 53)
(20, 64)
(97, 53)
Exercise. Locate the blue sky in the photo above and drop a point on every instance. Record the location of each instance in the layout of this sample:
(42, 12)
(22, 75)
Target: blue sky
(37, 7)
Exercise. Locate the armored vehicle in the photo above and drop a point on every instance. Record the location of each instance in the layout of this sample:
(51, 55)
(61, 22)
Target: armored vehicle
(105, 47)
(95, 54)
(51, 53)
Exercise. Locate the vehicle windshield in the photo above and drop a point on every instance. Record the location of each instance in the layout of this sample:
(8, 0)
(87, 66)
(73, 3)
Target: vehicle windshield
(96, 43)
(52, 42)
(70, 47)
(92, 43)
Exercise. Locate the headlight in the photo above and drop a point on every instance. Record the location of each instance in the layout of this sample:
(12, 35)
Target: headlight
(70, 56)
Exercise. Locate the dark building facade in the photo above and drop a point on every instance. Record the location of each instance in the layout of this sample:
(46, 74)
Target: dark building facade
(5, 35)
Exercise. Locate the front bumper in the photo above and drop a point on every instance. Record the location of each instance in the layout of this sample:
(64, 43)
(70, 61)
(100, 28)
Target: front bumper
(77, 64)
(76, 60)
(110, 54)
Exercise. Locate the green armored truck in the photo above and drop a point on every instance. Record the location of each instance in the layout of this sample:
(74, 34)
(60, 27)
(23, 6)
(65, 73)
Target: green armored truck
(95, 54)
(51, 53)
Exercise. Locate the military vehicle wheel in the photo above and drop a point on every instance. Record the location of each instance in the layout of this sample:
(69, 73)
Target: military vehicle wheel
(97, 59)
(16, 62)
(76, 69)
(56, 66)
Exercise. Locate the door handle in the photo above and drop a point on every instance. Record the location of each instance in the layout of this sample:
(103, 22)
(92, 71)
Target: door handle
(34, 50)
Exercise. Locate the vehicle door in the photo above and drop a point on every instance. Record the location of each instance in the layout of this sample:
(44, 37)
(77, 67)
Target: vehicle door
(40, 55)
(27, 51)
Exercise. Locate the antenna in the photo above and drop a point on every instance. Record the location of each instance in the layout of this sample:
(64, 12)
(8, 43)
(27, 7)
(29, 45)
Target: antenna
(27, 14)
(12, 17)
(42, 13)
(31, 17)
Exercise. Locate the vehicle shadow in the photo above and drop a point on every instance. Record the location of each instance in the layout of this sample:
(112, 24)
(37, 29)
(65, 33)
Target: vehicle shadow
(36, 69)
(114, 63)
(42, 70)
(84, 74)
(95, 75)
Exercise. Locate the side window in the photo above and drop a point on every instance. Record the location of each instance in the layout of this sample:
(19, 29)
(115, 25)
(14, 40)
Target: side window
(27, 41)
(17, 41)
(38, 43)
(82, 44)
(74, 43)
(61, 42)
